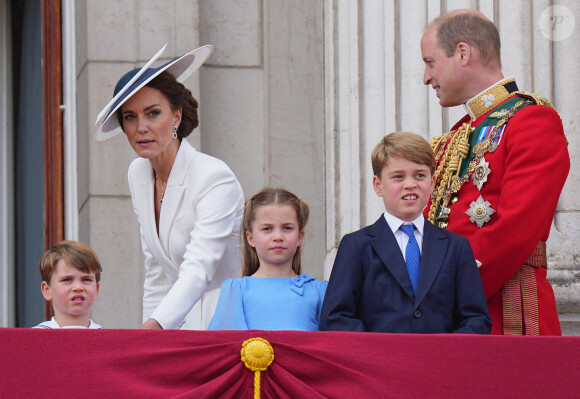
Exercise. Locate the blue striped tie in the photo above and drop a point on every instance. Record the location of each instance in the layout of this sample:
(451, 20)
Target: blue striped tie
(412, 255)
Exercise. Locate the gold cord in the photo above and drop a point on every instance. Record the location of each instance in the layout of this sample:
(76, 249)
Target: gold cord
(451, 149)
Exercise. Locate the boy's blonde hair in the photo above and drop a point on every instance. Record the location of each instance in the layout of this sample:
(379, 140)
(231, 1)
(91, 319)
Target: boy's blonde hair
(76, 253)
(270, 196)
(408, 145)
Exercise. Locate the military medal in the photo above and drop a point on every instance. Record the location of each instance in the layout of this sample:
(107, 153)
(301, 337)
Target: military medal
(480, 173)
(480, 212)
(443, 215)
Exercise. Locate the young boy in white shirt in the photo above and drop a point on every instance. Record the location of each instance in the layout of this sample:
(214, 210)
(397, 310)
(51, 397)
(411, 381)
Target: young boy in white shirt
(70, 272)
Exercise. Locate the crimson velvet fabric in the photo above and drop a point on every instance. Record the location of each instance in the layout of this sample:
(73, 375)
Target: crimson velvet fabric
(206, 364)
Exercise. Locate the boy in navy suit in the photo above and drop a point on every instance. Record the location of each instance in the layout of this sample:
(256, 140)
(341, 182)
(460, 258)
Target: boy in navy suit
(402, 274)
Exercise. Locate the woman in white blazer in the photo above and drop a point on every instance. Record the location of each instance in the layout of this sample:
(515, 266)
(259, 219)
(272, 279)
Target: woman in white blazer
(189, 204)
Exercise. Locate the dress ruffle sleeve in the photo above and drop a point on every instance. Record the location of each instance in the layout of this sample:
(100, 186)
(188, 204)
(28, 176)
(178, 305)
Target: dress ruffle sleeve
(229, 313)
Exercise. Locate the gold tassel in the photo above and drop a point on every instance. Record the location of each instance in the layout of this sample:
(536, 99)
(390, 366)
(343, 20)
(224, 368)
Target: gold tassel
(257, 355)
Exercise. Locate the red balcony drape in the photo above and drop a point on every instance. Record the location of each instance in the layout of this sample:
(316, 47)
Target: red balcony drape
(204, 364)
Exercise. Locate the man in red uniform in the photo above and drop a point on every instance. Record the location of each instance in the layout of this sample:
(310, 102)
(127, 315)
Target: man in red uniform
(500, 170)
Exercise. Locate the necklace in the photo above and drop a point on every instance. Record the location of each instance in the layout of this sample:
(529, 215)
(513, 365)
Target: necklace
(160, 188)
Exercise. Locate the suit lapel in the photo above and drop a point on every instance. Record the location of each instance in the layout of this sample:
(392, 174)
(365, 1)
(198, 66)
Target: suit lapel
(383, 241)
(174, 192)
(434, 250)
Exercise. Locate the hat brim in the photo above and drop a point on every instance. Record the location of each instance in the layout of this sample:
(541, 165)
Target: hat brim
(182, 68)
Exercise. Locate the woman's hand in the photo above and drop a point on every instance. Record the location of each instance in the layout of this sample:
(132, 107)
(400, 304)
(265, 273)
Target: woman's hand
(151, 324)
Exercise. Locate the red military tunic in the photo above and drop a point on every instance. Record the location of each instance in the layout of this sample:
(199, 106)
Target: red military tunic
(527, 172)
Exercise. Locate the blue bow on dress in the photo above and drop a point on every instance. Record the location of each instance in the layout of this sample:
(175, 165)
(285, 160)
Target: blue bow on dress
(298, 283)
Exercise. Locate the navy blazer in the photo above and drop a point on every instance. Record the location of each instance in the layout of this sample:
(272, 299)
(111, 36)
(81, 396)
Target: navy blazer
(370, 289)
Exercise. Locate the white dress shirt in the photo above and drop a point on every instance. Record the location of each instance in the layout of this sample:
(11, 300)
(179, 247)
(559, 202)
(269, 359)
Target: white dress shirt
(402, 238)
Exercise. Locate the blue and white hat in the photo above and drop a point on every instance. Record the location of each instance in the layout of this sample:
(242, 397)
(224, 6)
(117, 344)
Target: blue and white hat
(181, 67)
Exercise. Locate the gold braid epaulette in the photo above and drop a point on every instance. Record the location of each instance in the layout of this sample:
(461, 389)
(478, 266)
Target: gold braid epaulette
(536, 98)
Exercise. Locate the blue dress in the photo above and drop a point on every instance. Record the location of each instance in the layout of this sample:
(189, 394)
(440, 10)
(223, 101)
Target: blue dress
(266, 303)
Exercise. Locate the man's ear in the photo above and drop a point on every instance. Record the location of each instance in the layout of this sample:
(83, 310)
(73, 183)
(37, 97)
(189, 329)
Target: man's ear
(463, 53)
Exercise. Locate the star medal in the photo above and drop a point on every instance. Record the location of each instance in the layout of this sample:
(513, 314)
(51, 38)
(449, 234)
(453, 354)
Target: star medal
(480, 173)
(480, 211)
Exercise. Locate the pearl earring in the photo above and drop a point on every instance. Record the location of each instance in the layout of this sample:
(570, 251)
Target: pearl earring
(174, 131)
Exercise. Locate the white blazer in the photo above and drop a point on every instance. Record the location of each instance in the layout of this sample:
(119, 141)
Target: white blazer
(198, 246)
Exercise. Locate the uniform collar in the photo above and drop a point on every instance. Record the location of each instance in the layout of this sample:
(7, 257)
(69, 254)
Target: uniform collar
(490, 98)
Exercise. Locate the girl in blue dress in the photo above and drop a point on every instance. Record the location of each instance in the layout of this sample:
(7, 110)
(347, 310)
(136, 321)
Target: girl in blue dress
(273, 294)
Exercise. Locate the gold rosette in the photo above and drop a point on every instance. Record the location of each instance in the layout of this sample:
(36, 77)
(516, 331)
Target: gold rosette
(257, 355)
